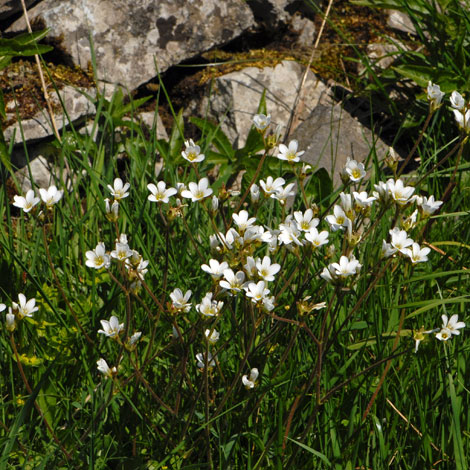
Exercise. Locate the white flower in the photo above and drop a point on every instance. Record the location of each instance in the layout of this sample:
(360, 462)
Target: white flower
(283, 193)
(197, 191)
(215, 269)
(290, 153)
(457, 101)
(10, 322)
(51, 195)
(209, 307)
(134, 338)
(251, 381)
(387, 249)
(214, 203)
(212, 335)
(353, 170)
(444, 334)
(417, 254)
(305, 221)
(410, 222)
(383, 191)
(26, 203)
(254, 191)
(400, 193)
(347, 205)
(266, 270)
(317, 238)
(160, 193)
(289, 233)
(363, 200)
(119, 191)
(122, 250)
(111, 328)
(400, 240)
(2, 307)
(104, 368)
(434, 95)
(428, 206)
(192, 153)
(242, 221)
(98, 258)
(346, 267)
(261, 121)
(112, 210)
(180, 301)
(453, 324)
(271, 185)
(257, 292)
(337, 220)
(418, 336)
(233, 282)
(463, 119)
(24, 308)
(201, 363)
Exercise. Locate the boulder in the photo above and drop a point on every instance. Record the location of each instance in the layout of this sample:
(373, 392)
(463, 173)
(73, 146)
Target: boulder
(132, 39)
(77, 104)
(235, 97)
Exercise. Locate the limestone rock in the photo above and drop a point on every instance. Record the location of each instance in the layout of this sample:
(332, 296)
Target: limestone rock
(237, 95)
(131, 38)
(330, 135)
(76, 103)
(273, 13)
(400, 21)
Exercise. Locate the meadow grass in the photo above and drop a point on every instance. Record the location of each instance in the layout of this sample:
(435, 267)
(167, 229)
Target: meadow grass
(320, 342)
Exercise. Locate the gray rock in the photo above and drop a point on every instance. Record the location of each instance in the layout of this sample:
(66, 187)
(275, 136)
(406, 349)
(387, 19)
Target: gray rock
(330, 135)
(75, 101)
(304, 28)
(149, 119)
(237, 95)
(131, 39)
(11, 7)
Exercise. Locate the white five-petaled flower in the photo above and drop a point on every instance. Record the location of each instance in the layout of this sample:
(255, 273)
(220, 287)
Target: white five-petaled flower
(197, 191)
(400, 240)
(209, 307)
(283, 193)
(417, 254)
(212, 335)
(400, 193)
(98, 258)
(26, 203)
(353, 170)
(257, 292)
(242, 221)
(450, 326)
(363, 200)
(24, 308)
(233, 282)
(434, 95)
(337, 220)
(111, 328)
(317, 238)
(457, 101)
(290, 153)
(346, 267)
(215, 269)
(270, 186)
(122, 250)
(192, 153)
(51, 195)
(160, 193)
(261, 121)
(250, 382)
(266, 270)
(103, 367)
(201, 362)
(119, 189)
(305, 221)
(289, 233)
(181, 302)
(428, 205)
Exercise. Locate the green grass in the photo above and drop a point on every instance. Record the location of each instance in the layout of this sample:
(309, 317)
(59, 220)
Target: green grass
(339, 387)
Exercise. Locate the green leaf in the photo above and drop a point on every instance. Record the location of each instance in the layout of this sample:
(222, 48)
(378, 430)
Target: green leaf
(176, 138)
(319, 186)
(4, 153)
(321, 456)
